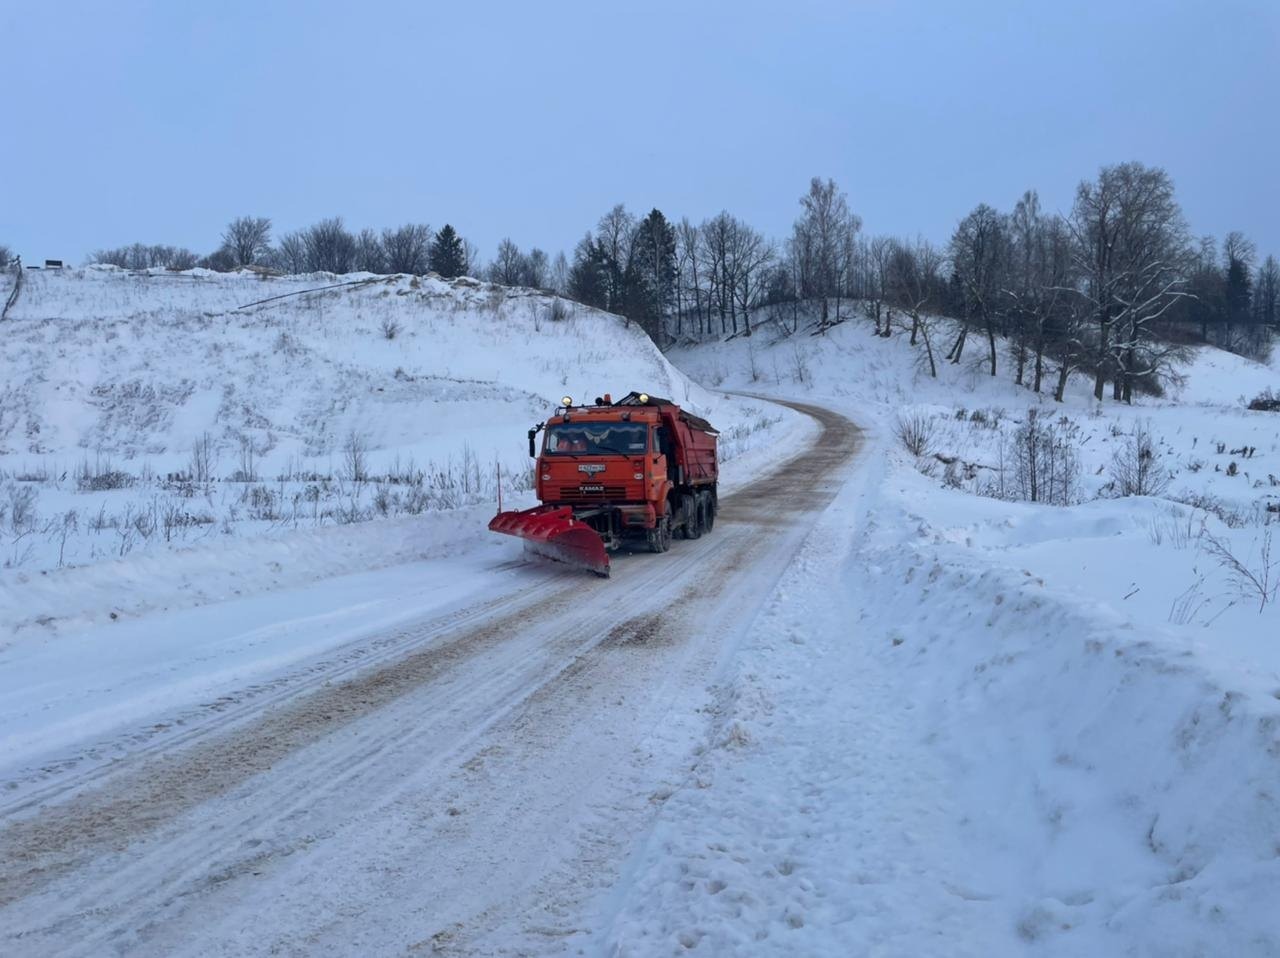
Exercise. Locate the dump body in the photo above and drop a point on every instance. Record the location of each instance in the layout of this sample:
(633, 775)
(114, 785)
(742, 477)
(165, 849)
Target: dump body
(638, 468)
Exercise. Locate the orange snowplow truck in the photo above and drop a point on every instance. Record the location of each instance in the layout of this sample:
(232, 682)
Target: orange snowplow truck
(640, 468)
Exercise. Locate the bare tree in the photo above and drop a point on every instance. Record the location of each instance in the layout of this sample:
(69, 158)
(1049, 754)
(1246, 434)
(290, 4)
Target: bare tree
(1239, 248)
(355, 457)
(407, 247)
(801, 265)
(717, 238)
(143, 256)
(1040, 279)
(369, 254)
(821, 237)
(291, 255)
(616, 233)
(1266, 293)
(329, 247)
(559, 277)
(1046, 467)
(879, 252)
(751, 255)
(914, 279)
(534, 269)
(247, 240)
(1136, 465)
(508, 268)
(6, 257)
(979, 252)
(689, 275)
(1132, 247)
(1022, 281)
(180, 258)
(1068, 340)
(1060, 316)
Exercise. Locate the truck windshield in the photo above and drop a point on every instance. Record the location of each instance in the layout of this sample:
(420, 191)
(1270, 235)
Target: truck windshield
(597, 439)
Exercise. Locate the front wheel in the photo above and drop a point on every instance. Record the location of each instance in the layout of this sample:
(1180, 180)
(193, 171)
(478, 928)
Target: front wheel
(660, 535)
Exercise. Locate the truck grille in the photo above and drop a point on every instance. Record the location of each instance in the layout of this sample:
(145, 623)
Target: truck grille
(592, 491)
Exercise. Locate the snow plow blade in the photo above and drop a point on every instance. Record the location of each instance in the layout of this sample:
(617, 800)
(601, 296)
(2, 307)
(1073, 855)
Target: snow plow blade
(552, 531)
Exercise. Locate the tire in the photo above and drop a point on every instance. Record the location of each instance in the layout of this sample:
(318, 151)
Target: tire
(708, 512)
(693, 522)
(660, 535)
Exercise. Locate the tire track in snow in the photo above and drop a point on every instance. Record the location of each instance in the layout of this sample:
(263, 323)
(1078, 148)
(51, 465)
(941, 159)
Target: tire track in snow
(101, 760)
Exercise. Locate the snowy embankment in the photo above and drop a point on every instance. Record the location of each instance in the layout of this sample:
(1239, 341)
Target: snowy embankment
(163, 442)
(973, 726)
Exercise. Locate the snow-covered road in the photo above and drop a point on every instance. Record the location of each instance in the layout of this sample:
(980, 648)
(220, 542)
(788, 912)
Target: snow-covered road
(462, 782)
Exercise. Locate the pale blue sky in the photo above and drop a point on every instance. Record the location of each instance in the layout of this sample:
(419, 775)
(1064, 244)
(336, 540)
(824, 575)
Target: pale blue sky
(158, 122)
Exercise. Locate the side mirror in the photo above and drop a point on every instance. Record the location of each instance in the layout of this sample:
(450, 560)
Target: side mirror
(533, 449)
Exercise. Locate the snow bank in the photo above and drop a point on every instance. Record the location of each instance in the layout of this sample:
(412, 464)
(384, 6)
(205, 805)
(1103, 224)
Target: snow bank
(940, 740)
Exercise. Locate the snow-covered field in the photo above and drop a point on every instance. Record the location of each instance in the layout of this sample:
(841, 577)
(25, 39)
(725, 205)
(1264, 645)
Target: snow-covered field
(973, 726)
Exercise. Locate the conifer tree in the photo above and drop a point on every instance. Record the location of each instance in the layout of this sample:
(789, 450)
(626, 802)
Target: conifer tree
(589, 275)
(448, 255)
(651, 273)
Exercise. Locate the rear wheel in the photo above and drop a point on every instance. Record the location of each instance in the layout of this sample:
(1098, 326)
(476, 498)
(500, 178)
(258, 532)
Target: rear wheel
(708, 512)
(693, 517)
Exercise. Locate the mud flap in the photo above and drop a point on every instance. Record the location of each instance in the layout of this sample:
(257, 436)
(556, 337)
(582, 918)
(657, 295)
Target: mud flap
(553, 532)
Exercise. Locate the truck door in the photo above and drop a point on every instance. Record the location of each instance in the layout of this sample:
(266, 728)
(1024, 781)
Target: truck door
(658, 464)
(666, 448)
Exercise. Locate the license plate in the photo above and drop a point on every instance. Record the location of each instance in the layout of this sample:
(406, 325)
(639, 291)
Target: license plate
(591, 488)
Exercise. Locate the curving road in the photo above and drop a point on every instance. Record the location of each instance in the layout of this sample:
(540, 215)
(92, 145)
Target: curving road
(462, 786)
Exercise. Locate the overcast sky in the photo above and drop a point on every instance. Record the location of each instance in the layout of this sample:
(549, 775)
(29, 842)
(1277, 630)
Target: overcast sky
(155, 122)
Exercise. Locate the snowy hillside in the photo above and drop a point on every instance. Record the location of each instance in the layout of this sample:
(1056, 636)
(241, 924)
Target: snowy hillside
(970, 725)
(146, 412)
(125, 370)
(1153, 476)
